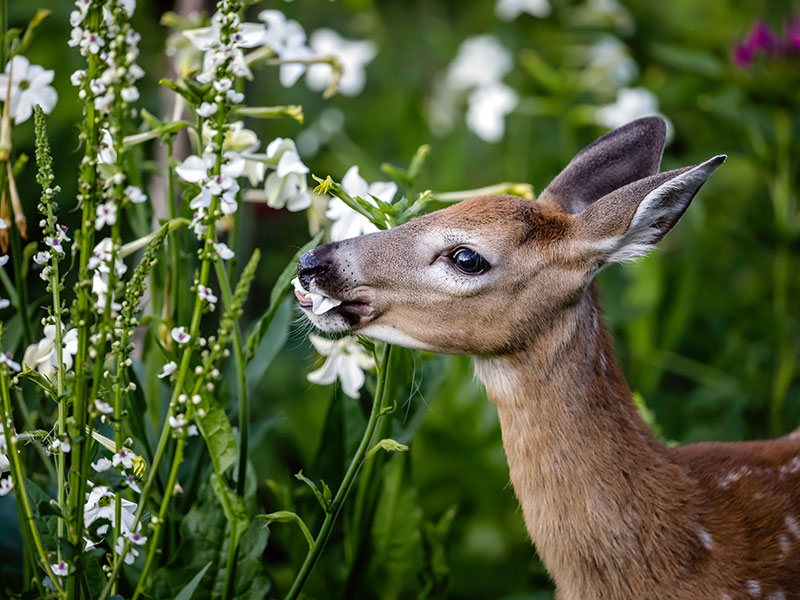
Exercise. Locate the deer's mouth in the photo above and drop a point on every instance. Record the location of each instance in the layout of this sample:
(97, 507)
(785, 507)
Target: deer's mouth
(323, 308)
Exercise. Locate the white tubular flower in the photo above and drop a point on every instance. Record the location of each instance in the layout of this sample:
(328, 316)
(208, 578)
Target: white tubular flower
(100, 505)
(481, 60)
(179, 335)
(30, 85)
(487, 109)
(287, 39)
(42, 356)
(348, 223)
(168, 369)
(353, 55)
(631, 103)
(345, 360)
(508, 10)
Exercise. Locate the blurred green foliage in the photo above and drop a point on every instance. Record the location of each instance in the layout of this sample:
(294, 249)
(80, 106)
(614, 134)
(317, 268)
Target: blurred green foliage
(706, 327)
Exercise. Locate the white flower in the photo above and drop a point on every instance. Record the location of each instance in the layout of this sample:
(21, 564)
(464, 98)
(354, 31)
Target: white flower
(168, 369)
(3, 260)
(177, 421)
(346, 361)
(41, 258)
(135, 195)
(124, 458)
(5, 465)
(77, 77)
(107, 154)
(288, 40)
(106, 215)
(508, 10)
(136, 538)
(55, 241)
(6, 485)
(610, 61)
(64, 444)
(194, 169)
(132, 553)
(223, 251)
(103, 406)
(632, 103)
(132, 482)
(4, 303)
(100, 505)
(30, 85)
(353, 55)
(286, 186)
(92, 42)
(487, 110)
(192, 431)
(129, 94)
(206, 109)
(207, 294)
(348, 223)
(42, 356)
(481, 60)
(6, 358)
(3, 224)
(102, 464)
(60, 569)
(179, 335)
(319, 304)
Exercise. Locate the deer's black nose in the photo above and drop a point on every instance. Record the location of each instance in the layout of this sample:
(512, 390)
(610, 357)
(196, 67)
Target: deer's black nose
(309, 265)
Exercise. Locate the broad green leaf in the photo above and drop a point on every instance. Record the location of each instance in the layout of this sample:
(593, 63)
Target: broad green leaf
(40, 380)
(188, 591)
(279, 290)
(218, 434)
(270, 345)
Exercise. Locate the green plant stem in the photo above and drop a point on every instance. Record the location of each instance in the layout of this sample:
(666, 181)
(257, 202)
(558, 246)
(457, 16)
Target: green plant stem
(177, 459)
(28, 525)
(341, 494)
(55, 284)
(175, 262)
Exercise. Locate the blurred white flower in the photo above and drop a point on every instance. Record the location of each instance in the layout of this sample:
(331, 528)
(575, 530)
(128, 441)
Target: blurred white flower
(100, 505)
(610, 61)
(7, 359)
(481, 60)
(631, 103)
(354, 56)
(168, 369)
(179, 335)
(348, 223)
(508, 10)
(6, 485)
(60, 569)
(103, 406)
(4, 303)
(30, 85)
(5, 465)
(42, 356)
(177, 421)
(102, 464)
(487, 109)
(130, 555)
(287, 39)
(223, 251)
(135, 194)
(345, 360)
(3, 260)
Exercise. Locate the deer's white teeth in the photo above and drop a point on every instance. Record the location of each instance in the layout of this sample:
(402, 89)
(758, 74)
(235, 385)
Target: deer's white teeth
(320, 304)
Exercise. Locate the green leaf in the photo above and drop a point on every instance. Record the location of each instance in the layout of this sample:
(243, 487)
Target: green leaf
(218, 434)
(40, 380)
(27, 253)
(320, 497)
(389, 445)
(396, 535)
(279, 290)
(41, 15)
(188, 591)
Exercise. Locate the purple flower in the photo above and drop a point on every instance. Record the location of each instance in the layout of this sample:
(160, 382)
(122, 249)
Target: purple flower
(762, 38)
(793, 34)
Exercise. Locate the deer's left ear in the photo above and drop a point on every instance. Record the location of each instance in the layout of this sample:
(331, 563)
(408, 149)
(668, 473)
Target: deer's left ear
(630, 221)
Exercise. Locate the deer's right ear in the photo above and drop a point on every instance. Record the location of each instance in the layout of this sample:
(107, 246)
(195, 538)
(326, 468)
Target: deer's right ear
(626, 154)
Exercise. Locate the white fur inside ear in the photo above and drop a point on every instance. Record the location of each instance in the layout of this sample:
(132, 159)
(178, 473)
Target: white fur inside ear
(658, 212)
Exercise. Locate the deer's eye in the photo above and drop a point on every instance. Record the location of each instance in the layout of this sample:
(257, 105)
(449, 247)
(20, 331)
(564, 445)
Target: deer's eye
(468, 261)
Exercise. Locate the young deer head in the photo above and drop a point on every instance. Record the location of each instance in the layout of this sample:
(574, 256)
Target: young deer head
(613, 513)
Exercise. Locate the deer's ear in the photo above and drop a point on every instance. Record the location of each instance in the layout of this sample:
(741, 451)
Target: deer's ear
(626, 154)
(628, 222)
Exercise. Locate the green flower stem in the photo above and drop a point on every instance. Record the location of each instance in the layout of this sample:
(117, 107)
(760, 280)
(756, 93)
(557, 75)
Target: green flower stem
(375, 416)
(175, 241)
(55, 283)
(79, 395)
(177, 459)
(28, 525)
(517, 189)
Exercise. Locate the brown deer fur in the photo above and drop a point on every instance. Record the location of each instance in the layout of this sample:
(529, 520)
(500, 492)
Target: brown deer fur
(613, 512)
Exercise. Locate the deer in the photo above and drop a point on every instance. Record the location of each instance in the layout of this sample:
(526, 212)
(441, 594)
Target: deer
(612, 511)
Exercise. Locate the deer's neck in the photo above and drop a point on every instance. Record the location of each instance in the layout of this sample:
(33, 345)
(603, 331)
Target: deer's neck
(599, 493)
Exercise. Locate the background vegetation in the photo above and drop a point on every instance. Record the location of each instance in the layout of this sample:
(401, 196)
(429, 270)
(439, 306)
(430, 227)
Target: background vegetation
(706, 327)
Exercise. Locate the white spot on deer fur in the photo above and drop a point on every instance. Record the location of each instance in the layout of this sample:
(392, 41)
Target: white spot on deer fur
(705, 538)
(792, 526)
(784, 544)
(754, 588)
(725, 596)
(498, 377)
(792, 467)
(779, 595)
